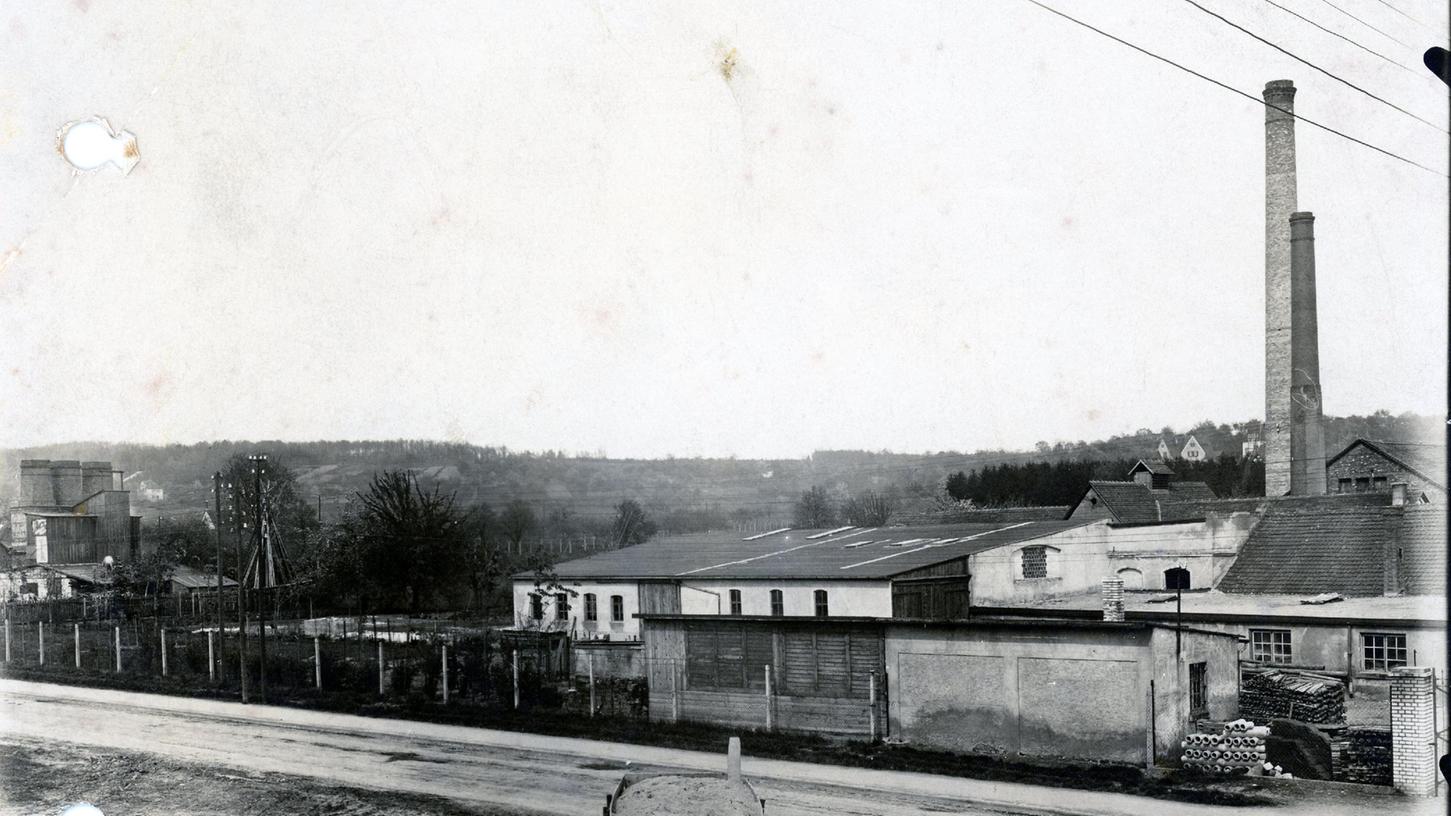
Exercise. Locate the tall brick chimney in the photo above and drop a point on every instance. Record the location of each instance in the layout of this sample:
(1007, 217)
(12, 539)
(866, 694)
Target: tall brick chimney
(1280, 203)
(1307, 433)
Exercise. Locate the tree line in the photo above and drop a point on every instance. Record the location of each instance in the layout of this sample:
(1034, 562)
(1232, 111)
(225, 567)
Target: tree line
(399, 544)
(1065, 482)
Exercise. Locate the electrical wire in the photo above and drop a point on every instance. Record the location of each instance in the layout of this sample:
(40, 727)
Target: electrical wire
(1364, 23)
(1417, 72)
(1347, 83)
(1234, 90)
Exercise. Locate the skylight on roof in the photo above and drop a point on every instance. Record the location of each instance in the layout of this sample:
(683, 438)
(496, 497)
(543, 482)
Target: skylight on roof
(764, 535)
(830, 533)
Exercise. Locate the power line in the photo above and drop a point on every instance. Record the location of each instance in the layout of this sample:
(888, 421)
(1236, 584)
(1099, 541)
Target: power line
(1364, 23)
(1347, 83)
(1353, 42)
(1234, 90)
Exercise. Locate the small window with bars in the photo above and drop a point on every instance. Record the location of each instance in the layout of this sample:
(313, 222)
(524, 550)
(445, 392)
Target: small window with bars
(735, 602)
(1270, 645)
(821, 608)
(617, 608)
(1383, 651)
(1035, 562)
(778, 604)
(561, 606)
(591, 607)
(536, 606)
(1199, 689)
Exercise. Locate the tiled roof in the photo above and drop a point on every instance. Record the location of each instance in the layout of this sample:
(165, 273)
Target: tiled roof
(1156, 466)
(1427, 460)
(844, 554)
(1423, 544)
(1307, 553)
(1135, 503)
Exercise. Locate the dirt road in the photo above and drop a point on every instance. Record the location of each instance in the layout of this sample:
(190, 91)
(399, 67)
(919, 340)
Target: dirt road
(536, 773)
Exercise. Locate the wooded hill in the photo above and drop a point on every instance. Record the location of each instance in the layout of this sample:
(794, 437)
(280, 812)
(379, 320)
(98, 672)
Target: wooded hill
(688, 493)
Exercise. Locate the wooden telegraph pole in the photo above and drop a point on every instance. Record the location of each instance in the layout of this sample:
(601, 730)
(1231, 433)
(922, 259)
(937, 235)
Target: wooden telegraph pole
(241, 586)
(217, 494)
(258, 462)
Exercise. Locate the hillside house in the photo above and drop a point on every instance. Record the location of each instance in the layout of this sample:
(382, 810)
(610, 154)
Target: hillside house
(1365, 466)
(1193, 451)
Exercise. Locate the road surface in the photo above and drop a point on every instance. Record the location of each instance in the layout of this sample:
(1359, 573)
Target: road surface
(540, 773)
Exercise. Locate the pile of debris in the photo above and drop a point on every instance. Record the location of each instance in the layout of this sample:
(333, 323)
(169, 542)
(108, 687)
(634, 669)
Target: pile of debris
(1361, 755)
(1236, 749)
(1277, 694)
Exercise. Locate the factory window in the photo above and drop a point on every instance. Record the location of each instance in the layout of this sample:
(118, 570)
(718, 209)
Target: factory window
(1362, 484)
(617, 607)
(1344, 486)
(1383, 651)
(1270, 645)
(536, 606)
(1378, 483)
(561, 606)
(591, 608)
(1132, 578)
(1035, 562)
(1176, 578)
(778, 604)
(735, 602)
(821, 610)
(1198, 690)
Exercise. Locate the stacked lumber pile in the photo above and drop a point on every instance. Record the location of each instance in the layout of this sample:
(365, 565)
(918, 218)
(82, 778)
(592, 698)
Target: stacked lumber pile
(1361, 755)
(1238, 749)
(1276, 694)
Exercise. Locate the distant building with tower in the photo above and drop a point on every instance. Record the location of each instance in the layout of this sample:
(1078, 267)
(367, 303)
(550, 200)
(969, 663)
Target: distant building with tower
(71, 512)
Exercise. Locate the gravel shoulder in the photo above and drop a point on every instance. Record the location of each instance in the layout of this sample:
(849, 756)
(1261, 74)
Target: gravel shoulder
(39, 778)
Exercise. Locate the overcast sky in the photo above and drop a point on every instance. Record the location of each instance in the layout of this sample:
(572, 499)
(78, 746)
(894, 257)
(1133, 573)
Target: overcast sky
(559, 225)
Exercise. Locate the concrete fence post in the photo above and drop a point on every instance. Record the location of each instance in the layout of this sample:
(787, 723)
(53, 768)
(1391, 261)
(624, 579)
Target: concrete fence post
(380, 667)
(674, 694)
(1413, 730)
(118, 649)
(768, 696)
(78, 644)
(7, 640)
(872, 704)
(445, 674)
(163, 651)
(211, 657)
(591, 684)
(316, 661)
(40, 629)
(516, 677)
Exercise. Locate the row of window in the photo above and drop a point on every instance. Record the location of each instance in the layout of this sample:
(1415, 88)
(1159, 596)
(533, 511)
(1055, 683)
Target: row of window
(591, 607)
(1361, 484)
(1378, 650)
(617, 605)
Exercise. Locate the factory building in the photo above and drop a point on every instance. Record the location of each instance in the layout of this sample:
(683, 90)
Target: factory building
(71, 512)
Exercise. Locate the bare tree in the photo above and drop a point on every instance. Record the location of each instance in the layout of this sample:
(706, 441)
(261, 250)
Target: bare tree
(632, 526)
(517, 521)
(869, 509)
(814, 509)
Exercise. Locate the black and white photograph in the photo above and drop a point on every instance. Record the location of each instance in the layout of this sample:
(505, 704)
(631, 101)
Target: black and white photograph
(517, 408)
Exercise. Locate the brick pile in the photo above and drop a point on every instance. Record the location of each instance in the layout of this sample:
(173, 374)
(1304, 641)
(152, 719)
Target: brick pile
(1361, 755)
(1275, 694)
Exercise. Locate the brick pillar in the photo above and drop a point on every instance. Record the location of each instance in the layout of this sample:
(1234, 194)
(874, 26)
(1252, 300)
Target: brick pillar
(1113, 599)
(1413, 734)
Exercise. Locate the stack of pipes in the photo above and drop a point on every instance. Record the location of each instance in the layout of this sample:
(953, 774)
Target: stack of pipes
(1237, 750)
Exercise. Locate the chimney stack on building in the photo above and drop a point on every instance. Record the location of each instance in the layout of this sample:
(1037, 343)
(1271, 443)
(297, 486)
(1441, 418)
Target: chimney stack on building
(1113, 599)
(1307, 432)
(1280, 202)
(1294, 436)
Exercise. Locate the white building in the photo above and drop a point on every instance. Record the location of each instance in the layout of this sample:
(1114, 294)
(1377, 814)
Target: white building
(1193, 451)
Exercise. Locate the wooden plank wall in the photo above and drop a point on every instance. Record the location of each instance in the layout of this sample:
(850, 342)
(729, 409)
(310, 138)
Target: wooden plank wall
(821, 676)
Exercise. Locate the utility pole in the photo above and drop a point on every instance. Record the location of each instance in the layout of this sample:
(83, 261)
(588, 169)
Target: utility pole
(217, 493)
(258, 461)
(241, 585)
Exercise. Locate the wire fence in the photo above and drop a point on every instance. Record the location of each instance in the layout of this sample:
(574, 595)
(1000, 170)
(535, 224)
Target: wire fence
(357, 659)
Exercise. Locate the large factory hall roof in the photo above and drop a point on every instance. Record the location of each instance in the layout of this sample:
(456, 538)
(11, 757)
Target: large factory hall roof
(844, 553)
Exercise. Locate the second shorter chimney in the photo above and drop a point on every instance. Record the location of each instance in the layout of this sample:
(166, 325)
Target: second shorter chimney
(1113, 599)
